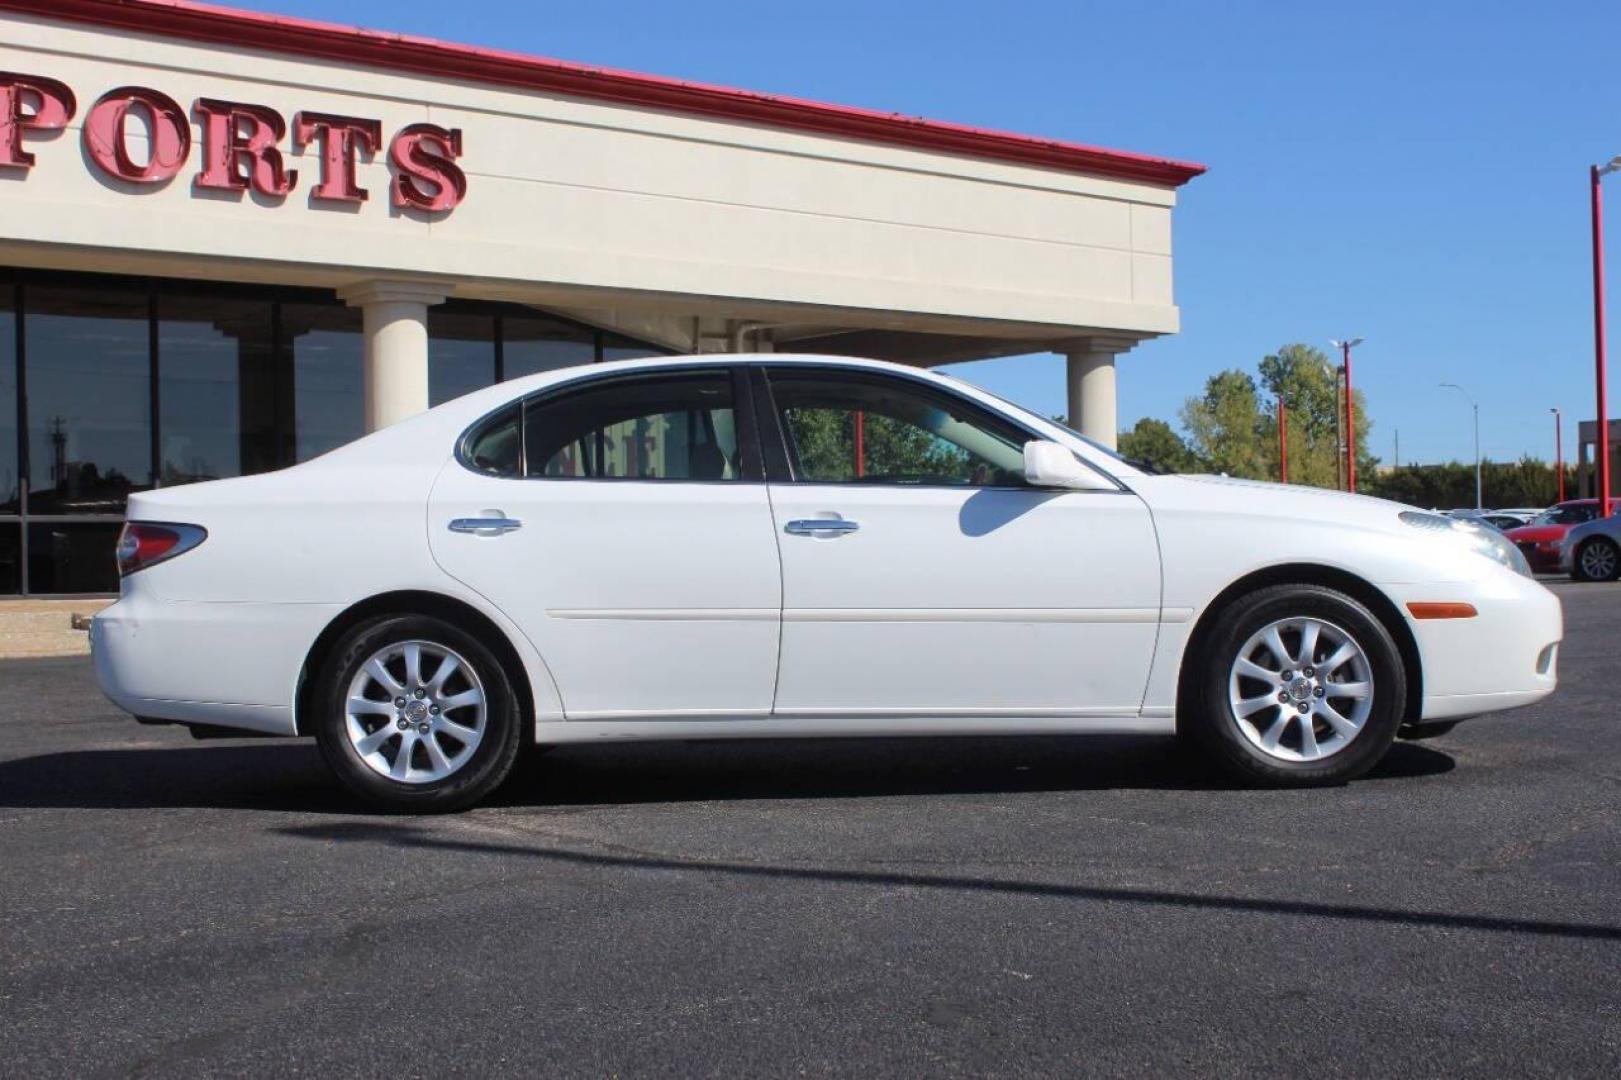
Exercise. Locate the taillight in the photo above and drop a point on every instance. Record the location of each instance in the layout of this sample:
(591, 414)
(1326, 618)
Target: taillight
(143, 543)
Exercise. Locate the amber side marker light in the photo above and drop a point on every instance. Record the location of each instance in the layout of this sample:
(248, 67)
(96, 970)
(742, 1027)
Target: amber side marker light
(1440, 610)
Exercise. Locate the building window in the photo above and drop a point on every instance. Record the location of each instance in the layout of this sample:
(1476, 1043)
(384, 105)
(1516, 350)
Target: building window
(72, 557)
(11, 557)
(218, 388)
(88, 354)
(615, 347)
(110, 385)
(328, 349)
(461, 354)
(530, 345)
(10, 472)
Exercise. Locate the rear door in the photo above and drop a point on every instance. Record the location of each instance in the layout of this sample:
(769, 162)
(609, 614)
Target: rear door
(623, 524)
(921, 575)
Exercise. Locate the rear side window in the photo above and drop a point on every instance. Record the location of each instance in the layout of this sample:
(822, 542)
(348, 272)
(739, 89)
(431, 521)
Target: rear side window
(496, 448)
(677, 426)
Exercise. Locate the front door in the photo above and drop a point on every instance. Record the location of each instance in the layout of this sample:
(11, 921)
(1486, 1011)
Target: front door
(922, 576)
(623, 525)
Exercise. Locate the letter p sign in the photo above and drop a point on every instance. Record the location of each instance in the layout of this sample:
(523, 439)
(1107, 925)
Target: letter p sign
(30, 103)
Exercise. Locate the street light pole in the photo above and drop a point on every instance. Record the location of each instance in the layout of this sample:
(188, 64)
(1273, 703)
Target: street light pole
(1350, 415)
(1559, 451)
(1339, 429)
(1479, 505)
(1595, 174)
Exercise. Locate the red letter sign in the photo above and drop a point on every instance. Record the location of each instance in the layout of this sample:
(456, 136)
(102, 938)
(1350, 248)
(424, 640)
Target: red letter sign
(426, 174)
(239, 148)
(170, 131)
(340, 138)
(30, 102)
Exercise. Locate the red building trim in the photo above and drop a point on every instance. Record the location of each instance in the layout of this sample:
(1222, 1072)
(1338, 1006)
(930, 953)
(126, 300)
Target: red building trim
(464, 63)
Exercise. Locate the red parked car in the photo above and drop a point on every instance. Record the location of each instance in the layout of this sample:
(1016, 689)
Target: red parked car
(1539, 540)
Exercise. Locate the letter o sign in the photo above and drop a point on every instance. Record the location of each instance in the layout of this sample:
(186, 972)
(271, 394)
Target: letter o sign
(168, 130)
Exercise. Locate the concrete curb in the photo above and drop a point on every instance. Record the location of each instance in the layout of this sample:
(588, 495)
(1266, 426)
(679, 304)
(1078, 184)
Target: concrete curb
(33, 628)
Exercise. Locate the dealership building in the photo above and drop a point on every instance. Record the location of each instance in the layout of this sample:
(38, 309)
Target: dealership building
(230, 242)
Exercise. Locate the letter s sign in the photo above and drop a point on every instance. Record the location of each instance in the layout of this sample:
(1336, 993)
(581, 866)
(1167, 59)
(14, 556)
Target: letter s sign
(426, 175)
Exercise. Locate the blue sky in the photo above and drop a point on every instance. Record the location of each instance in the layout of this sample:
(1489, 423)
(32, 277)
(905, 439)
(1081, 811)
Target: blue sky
(1414, 173)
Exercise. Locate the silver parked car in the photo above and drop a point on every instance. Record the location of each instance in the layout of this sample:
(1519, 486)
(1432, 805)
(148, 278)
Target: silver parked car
(1592, 550)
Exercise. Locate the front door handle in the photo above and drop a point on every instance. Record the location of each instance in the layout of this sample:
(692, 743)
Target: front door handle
(820, 526)
(485, 526)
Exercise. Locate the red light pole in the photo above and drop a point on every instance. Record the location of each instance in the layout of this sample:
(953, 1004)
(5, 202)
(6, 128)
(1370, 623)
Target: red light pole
(1283, 440)
(861, 444)
(1595, 174)
(1559, 451)
(1350, 415)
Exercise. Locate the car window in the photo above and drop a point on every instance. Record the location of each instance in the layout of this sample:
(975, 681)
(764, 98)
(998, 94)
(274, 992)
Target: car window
(877, 430)
(678, 426)
(496, 448)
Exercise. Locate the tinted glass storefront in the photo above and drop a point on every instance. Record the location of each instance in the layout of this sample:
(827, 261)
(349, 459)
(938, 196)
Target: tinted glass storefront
(113, 385)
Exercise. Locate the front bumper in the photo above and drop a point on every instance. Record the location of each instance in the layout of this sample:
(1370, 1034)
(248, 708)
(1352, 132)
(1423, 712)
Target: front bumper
(1545, 557)
(1503, 658)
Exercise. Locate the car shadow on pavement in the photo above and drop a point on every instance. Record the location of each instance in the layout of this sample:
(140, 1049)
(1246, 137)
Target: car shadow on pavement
(290, 776)
(413, 836)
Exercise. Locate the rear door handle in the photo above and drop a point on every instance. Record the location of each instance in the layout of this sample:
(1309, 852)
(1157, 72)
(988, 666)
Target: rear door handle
(818, 526)
(485, 526)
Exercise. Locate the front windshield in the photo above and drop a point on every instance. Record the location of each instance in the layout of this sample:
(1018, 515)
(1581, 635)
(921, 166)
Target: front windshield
(1566, 515)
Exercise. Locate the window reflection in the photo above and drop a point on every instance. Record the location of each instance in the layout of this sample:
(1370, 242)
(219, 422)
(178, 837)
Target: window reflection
(89, 399)
(530, 346)
(461, 355)
(9, 475)
(218, 389)
(328, 395)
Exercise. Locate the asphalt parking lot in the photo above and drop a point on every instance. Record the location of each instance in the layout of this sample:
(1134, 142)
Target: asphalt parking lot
(892, 907)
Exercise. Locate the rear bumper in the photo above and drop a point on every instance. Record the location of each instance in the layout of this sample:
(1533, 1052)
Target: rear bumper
(1503, 658)
(229, 664)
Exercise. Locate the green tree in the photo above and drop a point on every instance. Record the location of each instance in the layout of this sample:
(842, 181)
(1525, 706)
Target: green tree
(1155, 443)
(1227, 429)
(1526, 482)
(1309, 385)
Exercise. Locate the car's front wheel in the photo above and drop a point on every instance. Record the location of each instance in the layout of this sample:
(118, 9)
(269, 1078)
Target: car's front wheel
(1297, 685)
(1597, 559)
(416, 714)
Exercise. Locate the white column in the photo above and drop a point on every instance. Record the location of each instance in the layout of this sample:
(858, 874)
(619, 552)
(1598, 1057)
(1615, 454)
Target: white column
(1090, 377)
(394, 316)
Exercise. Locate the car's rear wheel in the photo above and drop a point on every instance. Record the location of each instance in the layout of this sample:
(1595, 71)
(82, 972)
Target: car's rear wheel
(416, 714)
(1297, 685)
(1597, 559)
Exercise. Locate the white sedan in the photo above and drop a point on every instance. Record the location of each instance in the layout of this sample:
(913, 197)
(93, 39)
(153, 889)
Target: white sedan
(759, 546)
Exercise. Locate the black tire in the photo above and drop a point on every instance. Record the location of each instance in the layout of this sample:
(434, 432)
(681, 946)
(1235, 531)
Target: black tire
(486, 766)
(1214, 726)
(1589, 562)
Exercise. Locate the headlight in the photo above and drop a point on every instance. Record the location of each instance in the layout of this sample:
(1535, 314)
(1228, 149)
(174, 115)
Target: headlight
(1482, 539)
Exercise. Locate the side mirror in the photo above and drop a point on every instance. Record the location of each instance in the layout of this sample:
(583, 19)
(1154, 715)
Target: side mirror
(1050, 465)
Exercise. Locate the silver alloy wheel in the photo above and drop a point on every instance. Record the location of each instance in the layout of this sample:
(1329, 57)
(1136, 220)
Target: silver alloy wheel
(1598, 560)
(1301, 689)
(416, 712)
